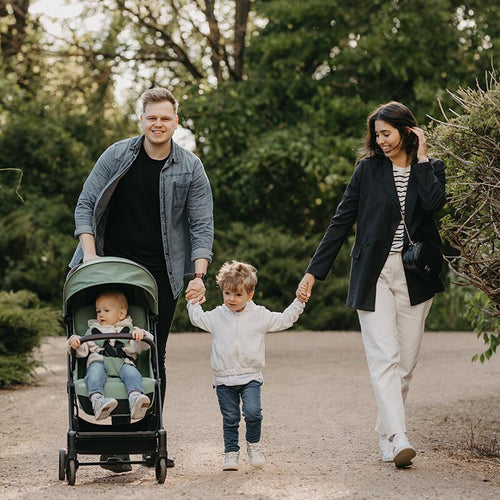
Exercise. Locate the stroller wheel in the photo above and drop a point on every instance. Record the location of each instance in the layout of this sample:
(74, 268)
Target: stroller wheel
(71, 472)
(62, 464)
(161, 470)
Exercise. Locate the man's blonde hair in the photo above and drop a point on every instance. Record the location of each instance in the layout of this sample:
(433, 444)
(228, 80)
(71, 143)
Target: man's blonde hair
(237, 276)
(158, 94)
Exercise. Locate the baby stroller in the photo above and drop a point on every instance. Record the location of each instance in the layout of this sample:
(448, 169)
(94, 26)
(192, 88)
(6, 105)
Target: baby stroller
(85, 436)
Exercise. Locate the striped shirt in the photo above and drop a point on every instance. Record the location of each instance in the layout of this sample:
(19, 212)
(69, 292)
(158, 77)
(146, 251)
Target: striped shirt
(401, 176)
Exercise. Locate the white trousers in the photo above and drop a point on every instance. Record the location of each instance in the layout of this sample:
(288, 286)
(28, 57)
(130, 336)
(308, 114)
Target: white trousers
(392, 335)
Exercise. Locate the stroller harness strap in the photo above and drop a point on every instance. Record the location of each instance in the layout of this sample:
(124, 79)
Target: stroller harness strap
(116, 350)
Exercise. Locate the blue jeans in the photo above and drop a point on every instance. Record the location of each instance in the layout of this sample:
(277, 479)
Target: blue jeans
(96, 377)
(229, 403)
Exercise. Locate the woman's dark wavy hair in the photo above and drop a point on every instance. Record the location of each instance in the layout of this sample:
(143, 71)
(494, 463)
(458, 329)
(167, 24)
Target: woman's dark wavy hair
(400, 117)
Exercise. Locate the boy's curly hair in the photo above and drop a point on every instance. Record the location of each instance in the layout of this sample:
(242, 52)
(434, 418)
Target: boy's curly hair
(237, 276)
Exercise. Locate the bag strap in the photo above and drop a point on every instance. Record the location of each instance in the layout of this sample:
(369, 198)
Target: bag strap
(406, 227)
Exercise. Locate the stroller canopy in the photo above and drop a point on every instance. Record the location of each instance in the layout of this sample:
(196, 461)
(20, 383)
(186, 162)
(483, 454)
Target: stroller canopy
(85, 281)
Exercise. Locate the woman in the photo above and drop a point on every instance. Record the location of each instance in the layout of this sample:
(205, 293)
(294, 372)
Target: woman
(394, 180)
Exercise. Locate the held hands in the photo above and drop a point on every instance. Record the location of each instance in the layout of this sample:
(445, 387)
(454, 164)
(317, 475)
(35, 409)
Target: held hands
(304, 289)
(422, 144)
(195, 291)
(74, 342)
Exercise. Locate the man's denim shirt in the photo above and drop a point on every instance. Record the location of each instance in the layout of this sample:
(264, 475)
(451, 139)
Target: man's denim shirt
(186, 206)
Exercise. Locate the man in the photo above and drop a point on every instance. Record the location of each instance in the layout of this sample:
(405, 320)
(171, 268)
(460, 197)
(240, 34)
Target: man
(149, 200)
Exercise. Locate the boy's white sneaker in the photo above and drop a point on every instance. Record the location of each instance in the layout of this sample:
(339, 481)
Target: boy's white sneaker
(139, 404)
(231, 460)
(402, 450)
(385, 449)
(103, 407)
(255, 455)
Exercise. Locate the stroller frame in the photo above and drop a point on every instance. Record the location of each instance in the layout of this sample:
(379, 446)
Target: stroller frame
(146, 436)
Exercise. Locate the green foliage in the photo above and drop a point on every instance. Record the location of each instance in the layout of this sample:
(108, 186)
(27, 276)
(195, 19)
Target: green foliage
(484, 317)
(280, 145)
(447, 311)
(36, 244)
(53, 162)
(22, 322)
(53, 139)
(16, 369)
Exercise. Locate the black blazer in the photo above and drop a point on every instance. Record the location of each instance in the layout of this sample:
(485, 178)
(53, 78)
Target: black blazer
(371, 200)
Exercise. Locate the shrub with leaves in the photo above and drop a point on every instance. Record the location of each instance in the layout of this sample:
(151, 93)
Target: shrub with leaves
(22, 322)
(470, 144)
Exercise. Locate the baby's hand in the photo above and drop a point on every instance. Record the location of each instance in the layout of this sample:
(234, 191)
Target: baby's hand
(138, 333)
(74, 342)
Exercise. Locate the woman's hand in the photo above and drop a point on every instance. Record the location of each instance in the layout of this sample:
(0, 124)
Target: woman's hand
(422, 144)
(304, 289)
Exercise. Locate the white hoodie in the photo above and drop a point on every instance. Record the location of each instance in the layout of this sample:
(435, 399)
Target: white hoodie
(238, 345)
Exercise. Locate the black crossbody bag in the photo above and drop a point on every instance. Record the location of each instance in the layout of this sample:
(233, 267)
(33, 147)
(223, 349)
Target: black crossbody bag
(421, 258)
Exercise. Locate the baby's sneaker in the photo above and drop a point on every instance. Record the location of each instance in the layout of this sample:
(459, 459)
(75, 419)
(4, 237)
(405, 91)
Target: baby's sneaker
(139, 404)
(255, 455)
(103, 407)
(231, 460)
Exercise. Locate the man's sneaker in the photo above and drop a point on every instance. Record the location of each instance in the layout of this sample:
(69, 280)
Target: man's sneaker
(231, 460)
(255, 456)
(385, 449)
(139, 404)
(116, 463)
(402, 450)
(103, 407)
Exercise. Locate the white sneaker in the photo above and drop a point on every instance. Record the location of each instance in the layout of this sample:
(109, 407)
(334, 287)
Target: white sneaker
(231, 460)
(402, 450)
(255, 455)
(139, 404)
(103, 407)
(385, 449)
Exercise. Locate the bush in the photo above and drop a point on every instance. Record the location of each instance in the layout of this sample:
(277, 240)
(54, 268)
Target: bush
(468, 142)
(22, 322)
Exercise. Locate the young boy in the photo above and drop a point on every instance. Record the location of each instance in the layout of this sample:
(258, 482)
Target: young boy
(113, 357)
(238, 328)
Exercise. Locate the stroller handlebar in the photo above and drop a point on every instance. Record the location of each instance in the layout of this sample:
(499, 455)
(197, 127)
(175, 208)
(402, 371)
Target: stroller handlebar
(118, 336)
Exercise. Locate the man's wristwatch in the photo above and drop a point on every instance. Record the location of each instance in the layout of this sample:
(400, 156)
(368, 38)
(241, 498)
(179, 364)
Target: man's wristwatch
(203, 276)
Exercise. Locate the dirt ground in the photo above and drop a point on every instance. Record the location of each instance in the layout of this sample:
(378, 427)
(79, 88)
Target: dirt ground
(318, 433)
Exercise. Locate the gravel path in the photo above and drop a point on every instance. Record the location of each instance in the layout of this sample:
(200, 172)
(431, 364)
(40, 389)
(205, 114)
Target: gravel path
(317, 431)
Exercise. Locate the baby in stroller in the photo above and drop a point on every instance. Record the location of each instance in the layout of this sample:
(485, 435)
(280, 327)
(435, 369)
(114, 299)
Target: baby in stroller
(113, 357)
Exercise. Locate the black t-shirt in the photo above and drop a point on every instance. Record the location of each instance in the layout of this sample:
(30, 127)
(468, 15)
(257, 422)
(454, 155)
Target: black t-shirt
(133, 228)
